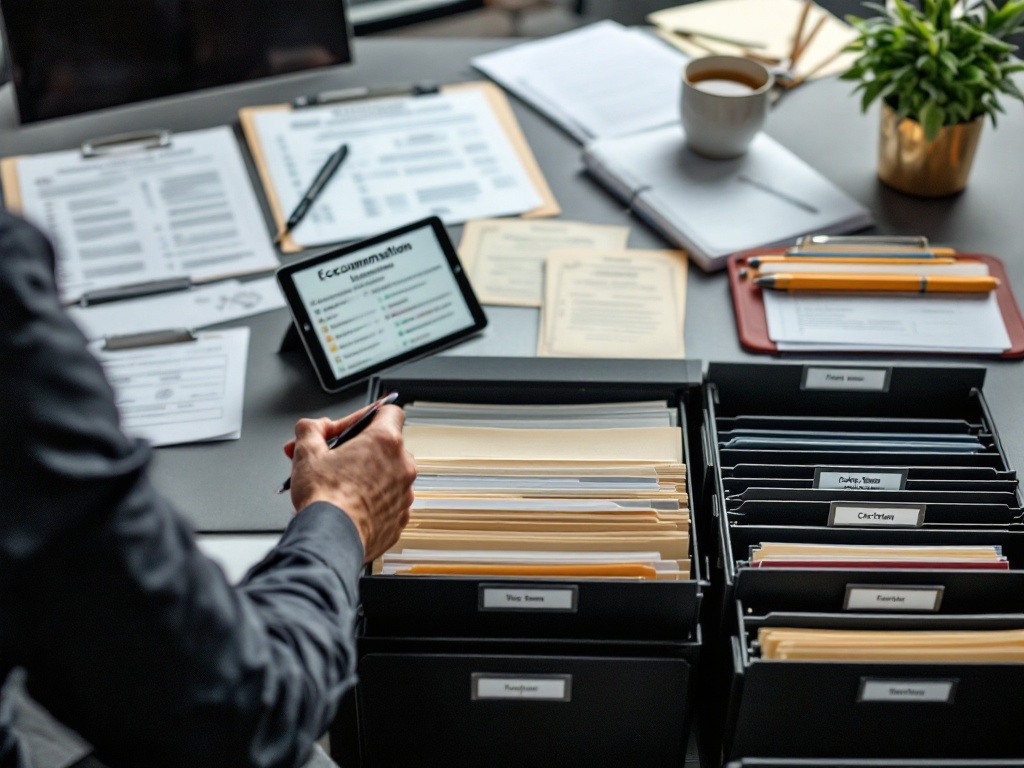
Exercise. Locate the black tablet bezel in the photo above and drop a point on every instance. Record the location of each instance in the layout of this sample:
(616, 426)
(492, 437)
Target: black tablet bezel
(304, 326)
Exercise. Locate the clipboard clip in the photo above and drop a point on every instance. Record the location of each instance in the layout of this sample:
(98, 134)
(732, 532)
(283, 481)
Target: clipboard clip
(134, 291)
(810, 242)
(362, 92)
(136, 141)
(123, 341)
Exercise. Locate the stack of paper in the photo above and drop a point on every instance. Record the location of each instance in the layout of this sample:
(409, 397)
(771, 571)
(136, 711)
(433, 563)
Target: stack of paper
(771, 25)
(579, 500)
(621, 303)
(789, 644)
(844, 556)
(601, 80)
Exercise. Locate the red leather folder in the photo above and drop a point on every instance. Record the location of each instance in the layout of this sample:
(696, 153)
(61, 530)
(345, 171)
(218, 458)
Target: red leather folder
(752, 325)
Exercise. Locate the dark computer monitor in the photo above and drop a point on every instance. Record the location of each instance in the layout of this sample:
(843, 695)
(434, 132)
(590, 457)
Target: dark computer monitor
(71, 56)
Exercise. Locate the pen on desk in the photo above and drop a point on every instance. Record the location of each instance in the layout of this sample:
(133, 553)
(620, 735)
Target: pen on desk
(329, 168)
(353, 431)
(858, 283)
(363, 92)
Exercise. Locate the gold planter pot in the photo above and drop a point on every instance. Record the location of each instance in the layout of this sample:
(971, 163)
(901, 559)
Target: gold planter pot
(911, 164)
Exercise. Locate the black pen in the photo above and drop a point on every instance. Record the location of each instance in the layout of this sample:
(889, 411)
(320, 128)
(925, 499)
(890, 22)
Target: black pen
(353, 431)
(326, 172)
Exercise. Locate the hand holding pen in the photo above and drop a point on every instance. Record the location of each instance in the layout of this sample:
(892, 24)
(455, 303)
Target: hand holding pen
(369, 478)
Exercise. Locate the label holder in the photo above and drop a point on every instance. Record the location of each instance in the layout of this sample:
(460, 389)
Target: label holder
(933, 691)
(563, 599)
(479, 681)
(936, 590)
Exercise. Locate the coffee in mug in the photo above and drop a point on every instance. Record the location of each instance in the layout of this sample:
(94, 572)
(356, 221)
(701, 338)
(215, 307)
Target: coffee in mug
(724, 104)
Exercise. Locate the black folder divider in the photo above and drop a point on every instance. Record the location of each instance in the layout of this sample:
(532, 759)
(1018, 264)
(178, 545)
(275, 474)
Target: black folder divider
(822, 709)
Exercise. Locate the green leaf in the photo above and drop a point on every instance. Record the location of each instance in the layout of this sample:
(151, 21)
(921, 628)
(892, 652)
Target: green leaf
(932, 116)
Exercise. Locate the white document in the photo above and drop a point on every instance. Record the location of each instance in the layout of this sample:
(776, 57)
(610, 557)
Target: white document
(186, 392)
(625, 303)
(442, 155)
(236, 553)
(713, 208)
(601, 80)
(185, 210)
(929, 322)
(504, 258)
(197, 308)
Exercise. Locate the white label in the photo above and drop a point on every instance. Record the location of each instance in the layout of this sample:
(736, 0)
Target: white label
(519, 599)
(872, 598)
(861, 515)
(907, 690)
(850, 379)
(859, 480)
(548, 688)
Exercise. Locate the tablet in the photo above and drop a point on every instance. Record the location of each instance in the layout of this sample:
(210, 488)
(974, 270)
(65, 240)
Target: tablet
(367, 306)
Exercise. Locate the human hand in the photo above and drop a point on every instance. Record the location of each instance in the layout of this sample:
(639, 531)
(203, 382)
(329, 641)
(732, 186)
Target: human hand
(370, 477)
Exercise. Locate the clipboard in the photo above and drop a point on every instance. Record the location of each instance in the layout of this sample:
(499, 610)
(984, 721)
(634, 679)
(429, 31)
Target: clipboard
(752, 325)
(235, 186)
(496, 99)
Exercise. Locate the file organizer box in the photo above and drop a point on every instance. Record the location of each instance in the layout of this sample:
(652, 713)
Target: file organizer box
(437, 606)
(856, 709)
(445, 683)
(916, 393)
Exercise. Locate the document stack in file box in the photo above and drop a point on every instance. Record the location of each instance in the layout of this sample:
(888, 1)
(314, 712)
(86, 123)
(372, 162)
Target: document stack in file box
(545, 491)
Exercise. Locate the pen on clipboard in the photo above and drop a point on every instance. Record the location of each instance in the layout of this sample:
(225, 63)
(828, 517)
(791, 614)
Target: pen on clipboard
(353, 431)
(858, 283)
(330, 167)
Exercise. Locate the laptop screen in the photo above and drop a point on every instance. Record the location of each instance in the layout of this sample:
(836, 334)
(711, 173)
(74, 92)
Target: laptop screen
(71, 56)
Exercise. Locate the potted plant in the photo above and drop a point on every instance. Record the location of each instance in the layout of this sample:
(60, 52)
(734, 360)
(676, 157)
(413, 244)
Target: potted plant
(938, 69)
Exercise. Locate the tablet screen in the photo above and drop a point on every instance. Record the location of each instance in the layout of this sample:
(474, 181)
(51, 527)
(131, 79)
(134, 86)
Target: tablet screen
(380, 302)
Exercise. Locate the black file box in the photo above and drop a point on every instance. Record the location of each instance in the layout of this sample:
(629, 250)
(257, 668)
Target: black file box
(794, 762)
(854, 709)
(502, 705)
(928, 399)
(605, 609)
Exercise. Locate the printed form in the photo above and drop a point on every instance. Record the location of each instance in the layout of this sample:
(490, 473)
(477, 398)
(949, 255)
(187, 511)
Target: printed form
(442, 155)
(504, 258)
(184, 210)
(181, 393)
(614, 304)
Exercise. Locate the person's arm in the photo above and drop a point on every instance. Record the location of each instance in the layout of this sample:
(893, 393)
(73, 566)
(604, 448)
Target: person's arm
(129, 635)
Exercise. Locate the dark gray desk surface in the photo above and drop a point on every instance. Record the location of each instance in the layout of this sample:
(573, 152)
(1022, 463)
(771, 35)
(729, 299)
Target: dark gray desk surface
(230, 485)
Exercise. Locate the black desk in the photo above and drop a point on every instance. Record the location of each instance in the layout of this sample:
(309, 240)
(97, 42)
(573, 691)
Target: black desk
(232, 482)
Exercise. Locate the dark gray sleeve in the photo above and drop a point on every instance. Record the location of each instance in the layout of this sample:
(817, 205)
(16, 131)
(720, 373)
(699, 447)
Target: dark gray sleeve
(130, 635)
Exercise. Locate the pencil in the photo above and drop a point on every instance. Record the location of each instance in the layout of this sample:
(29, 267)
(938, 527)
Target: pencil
(857, 283)
(799, 31)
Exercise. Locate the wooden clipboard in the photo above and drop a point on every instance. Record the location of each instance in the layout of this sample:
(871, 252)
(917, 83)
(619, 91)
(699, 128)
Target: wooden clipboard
(752, 325)
(495, 98)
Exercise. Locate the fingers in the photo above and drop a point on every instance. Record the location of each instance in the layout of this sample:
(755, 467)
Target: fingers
(310, 436)
(335, 428)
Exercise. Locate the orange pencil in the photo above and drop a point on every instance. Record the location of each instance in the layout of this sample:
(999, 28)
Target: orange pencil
(811, 281)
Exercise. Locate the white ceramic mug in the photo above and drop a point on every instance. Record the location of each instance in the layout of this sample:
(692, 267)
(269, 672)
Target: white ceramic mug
(724, 104)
